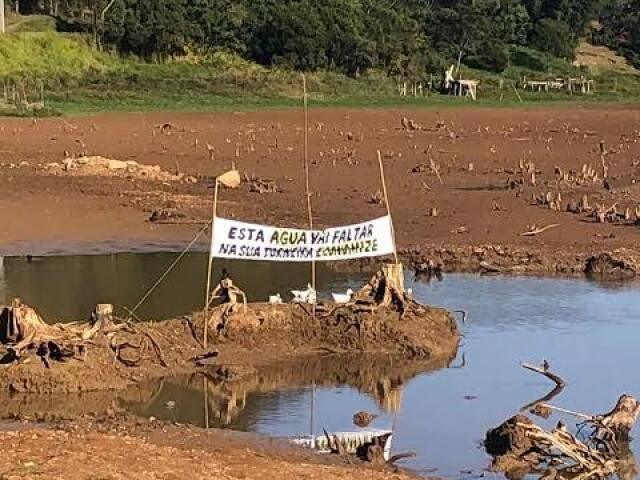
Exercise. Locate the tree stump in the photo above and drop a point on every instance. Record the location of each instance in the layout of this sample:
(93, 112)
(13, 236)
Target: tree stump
(394, 283)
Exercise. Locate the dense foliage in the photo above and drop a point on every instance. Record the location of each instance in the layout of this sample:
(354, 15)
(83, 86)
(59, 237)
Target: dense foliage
(620, 28)
(350, 36)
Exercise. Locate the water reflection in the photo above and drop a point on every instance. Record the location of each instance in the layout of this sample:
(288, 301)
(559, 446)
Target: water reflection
(68, 288)
(243, 403)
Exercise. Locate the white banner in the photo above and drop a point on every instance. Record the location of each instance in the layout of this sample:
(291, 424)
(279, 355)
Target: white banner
(248, 241)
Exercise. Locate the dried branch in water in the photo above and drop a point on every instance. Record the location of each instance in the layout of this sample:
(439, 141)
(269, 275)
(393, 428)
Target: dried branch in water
(400, 456)
(540, 402)
(559, 381)
(560, 440)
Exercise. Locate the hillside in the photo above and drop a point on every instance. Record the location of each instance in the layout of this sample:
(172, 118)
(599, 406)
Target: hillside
(65, 72)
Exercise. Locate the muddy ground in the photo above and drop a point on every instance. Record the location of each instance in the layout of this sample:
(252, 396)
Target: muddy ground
(464, 185)
(249, 341)
(484, 201)
(129, 448)
(66, 423)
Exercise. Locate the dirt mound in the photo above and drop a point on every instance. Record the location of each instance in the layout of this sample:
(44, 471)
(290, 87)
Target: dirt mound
(118, 355)
(107, 167)
(422, 332)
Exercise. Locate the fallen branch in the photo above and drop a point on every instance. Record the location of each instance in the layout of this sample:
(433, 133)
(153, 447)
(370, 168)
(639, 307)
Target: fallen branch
(400, 456)
(584, 416)
(487, 267)
(559, 381)
(535, 231)
(570, 447)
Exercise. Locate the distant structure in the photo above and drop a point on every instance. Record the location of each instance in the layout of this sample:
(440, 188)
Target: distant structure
(573, 85)
(460, 87)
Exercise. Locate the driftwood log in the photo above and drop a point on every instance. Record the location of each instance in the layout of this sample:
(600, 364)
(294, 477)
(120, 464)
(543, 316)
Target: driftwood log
(597, 450)
(22, 332)
(539, 409)
(559, 381)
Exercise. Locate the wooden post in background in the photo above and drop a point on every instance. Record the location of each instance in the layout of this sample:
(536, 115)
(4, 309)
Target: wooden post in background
(2, 19)
(207, 298)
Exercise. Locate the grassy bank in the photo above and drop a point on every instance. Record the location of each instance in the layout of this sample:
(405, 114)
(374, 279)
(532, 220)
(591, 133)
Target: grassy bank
(72, 77)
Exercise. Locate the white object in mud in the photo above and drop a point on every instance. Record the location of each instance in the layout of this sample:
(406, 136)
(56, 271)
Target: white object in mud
(351, 441)
(231, 179)
(275, 299)
(304, 296)
(342, 298)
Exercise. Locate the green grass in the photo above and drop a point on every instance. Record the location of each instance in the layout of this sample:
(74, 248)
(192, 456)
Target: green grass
(30, 23)
(79, 80)
(49, 57)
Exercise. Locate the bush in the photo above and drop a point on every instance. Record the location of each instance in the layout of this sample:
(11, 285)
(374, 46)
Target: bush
(554, 37)
(493, 57)
(529, 59)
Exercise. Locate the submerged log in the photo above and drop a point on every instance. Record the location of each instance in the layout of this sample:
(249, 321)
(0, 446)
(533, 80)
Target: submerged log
(363, 419)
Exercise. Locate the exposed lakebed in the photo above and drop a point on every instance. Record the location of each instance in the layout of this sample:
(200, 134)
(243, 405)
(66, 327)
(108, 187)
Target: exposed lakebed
(588, 331)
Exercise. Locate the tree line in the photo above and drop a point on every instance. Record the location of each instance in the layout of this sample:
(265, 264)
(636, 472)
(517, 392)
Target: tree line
(351, 36)
(619, 28)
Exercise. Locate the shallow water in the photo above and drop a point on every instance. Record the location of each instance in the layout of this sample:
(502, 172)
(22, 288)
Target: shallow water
(588, 332)
(67, 288)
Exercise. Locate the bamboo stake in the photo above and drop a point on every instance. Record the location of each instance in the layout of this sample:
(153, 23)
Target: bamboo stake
(306, 176)
(310, 216)
(210, 266)
(205, 382)
(515, 89)
(386, 201)
(312, 408)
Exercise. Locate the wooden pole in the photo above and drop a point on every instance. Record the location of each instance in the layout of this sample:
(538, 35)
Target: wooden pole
(310, 216)
(515, 89)
(306, 175)
(312, 408)
(386, 201)
(205, 386)
(2, 21)
(210, 266)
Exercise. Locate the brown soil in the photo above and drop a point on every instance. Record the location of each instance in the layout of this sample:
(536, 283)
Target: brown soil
(482, 210)
(143, 450)
(483, 204)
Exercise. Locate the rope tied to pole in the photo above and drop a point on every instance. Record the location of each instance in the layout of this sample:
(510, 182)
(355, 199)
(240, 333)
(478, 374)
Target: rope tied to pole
(173, 265)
